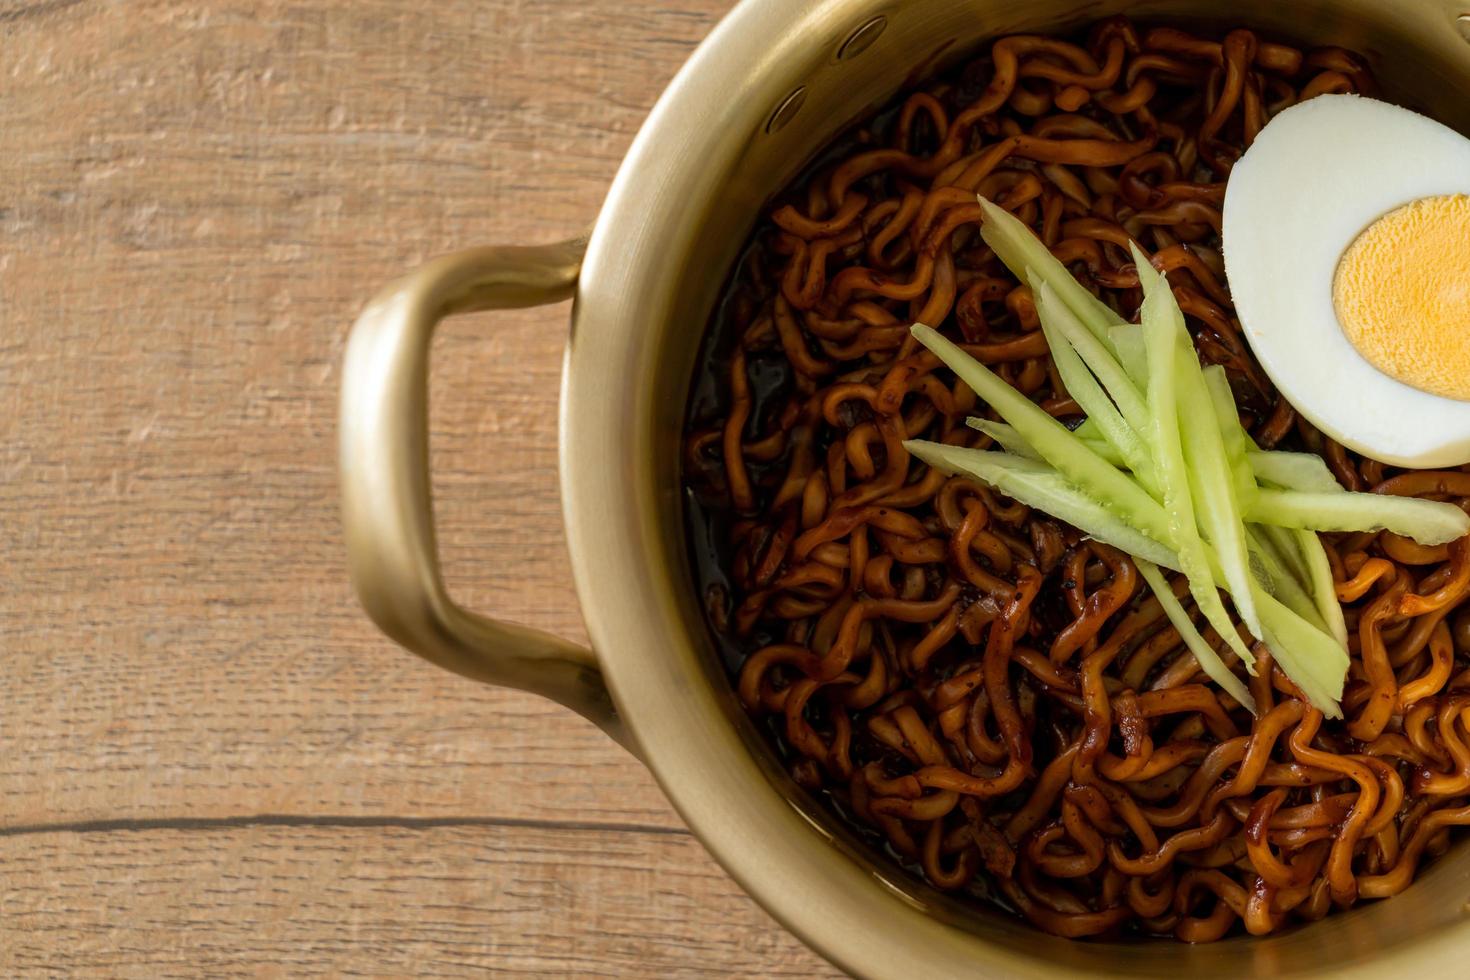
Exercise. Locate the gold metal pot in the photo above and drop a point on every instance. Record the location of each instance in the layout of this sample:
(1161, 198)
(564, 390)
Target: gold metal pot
(774, 82)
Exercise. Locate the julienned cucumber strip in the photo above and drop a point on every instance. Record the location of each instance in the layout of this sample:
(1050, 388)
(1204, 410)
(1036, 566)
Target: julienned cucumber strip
(1163, 327)
(1019, 249)
(1208, 659)
(1222, 400)
(1046, 490)
(1283, 546)
(1429, 522)
(1211, 485)
(1313, 660)
(1010, 440)
(1077, 463)
(1093, 352)
(1150, 280)
(1127, 341)
(1279, 578)
(1087, 431)
(1083, 387)
(1293, 471)
(1319, 580)
(1007, 437)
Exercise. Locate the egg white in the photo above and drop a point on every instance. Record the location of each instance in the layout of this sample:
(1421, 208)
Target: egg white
(1316, 176)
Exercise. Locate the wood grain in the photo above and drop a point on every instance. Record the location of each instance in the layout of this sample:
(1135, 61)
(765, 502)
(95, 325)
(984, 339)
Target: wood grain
(194, 201)
(383, 901)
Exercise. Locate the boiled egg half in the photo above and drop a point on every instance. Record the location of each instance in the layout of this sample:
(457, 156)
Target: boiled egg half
(1347, 249)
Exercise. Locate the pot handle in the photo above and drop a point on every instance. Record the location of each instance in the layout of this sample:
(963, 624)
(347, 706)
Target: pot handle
(387, 511)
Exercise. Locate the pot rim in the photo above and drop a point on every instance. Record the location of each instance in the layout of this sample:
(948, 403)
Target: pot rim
(613, 505)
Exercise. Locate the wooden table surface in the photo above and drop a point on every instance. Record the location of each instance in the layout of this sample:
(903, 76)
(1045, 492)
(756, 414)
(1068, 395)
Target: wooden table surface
(210, 762)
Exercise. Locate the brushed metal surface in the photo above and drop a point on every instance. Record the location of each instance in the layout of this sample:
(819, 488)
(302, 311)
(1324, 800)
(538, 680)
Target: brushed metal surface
(387, 507)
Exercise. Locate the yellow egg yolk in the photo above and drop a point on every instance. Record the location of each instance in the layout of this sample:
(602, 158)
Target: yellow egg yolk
(1402, 295)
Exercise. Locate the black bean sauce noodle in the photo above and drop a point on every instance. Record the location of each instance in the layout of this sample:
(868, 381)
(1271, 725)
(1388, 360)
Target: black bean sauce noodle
(987, 692)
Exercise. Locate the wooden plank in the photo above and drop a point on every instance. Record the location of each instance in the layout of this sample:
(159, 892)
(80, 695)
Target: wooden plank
(194, 202)
(445, 901)
(210, 763)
